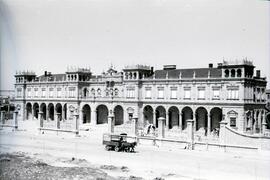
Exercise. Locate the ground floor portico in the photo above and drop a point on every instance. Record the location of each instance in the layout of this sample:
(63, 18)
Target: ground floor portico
(206, 118)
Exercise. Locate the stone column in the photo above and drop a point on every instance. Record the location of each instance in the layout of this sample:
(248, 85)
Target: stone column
(161, 127)
(154, 118)
(135, 126)
(47, 113)
(94, 117)
(2, 117)
(58, 116)
(15, 118)
(253, 119)
(208, 124)
(32, 114)
(195, 123)
(63, 113)
(222, 133)
(180, 122)
(260, 121)
(111, 124)
(263, 123)
(245, 122)
(40, 118)
(190, 134)
(167, 120)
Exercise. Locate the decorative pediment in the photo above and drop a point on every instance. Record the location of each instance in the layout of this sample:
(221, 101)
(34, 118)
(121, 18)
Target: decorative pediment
(232, 113)
(130, 110)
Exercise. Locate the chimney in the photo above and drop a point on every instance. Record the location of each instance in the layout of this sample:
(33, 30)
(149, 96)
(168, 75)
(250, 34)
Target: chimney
(258, 73)
(152, 70)
(45, 73)
(169, 67)
(210, 65)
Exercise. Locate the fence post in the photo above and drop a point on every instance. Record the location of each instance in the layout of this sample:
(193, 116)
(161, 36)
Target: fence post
(222, 134)
(161, 127)
(76, 115)
(190, 134)
(135, 126)
(40, 118)
(15, 118)
(111, 124)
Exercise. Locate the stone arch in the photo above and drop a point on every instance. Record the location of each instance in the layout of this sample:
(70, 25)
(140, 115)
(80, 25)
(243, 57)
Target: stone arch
(173, 117)
(187, 113)
(51, 111)
(102, 114)
(118, 115)
(201, 119)
(86, 114)
(28, 111)
(43, 109)
(58, 109)
(36, 110)
(216, 117)
(160, 112)
(148, 114)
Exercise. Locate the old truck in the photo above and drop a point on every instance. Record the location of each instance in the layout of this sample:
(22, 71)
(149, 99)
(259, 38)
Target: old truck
(118, 143)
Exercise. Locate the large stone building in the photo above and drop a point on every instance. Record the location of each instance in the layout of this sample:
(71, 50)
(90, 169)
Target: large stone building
(230, 92)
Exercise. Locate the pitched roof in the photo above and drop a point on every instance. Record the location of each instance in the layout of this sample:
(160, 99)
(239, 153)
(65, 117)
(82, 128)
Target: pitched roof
(187, 73)
(55, 77)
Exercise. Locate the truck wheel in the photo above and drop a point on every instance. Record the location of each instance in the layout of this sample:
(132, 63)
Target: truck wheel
(117, 149)
(107, 147)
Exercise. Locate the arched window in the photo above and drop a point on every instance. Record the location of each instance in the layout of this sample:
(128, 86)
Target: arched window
(99, 92)
(93, 92)
(239, 72)
(226, 73)
(134, 75)
(85, 92)
(116, 92)
(232, 73)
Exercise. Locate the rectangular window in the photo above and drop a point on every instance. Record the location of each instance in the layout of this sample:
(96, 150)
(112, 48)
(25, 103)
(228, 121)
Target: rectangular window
(43, 92)
(173, 93)
(29, 92)
(233, 94)
(19, 92)
(36, 92)
(51, 92)
(233, 121)
(148, 93)
(201, 93)
(160, 93)
(130, 93)
(72, 92)
(187, 93)
(59, 92)
(216, 93)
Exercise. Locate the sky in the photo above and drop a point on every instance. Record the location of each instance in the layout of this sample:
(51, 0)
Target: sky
(50, 35)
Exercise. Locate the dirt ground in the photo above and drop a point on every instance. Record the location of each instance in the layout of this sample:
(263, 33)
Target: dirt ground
(21, 166)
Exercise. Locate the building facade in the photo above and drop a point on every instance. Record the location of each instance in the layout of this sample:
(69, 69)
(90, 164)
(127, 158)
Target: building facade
(230, 92)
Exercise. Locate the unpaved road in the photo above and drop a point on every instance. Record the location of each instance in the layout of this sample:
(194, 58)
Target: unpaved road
(148, 161)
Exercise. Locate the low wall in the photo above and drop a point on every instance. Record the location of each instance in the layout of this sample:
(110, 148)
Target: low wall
(236, 138)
